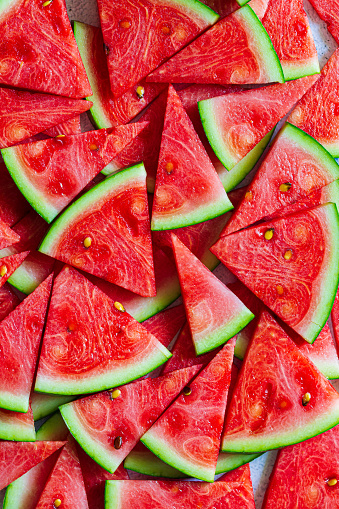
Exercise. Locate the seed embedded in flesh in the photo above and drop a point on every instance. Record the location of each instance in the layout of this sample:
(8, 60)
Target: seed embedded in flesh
(119, 306)
(306, 398)
(71, 327)
(60, 136)
(283, 404)
(280, 289)
(169, 168)
(115, 394)
(288, 254)
(248, 196)
(117, 442)
(140, 92)
(87, 242)
(124, 23)
(332, 482)
(165, 30)
(93, 146)
(187, 391)
(286, 186)
(3, 270)
(47, 3)
(269, 234)
(57, 502)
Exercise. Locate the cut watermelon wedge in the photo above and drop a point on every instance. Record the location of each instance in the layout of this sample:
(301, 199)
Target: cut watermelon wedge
(13, 205)
(9, 264)
(24, 114)
(50, 173)
(291, 264)
(90, 237)
(214, 313)
(109, 424)
(18, 364)
(187, 435)
(187, 188)
(215, 56)
(17, 426)
(235, 123)
(114, 347)
(38, 50)
(329, 12)
(8, 301)
(280, 397)
(295, 166)
(139, 36)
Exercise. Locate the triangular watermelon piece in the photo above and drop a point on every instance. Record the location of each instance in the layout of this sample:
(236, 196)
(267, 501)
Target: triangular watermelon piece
(115, 348)
(329, 12)
(280, 397)
(18, 364)
(71, 126)
(38, 41)
(7, 235)
(24, 114)
(8, 301)
(17, 425)
(291, 264)
(214, 313)
(295, 166)
(16, 458)
(165, 325)
(130, 411)
(321, 123)
(50, 173)
(90, 237)
(187, 189)
(186, 437)
(214, 56)
(306, 475)
(13, 205)
(234, 123)
(141, 35)
(65, 483)
(9, 264)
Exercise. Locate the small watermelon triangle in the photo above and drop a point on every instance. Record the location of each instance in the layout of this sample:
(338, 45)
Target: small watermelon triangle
(186, 437)
(114, 347)
(214, 313)
(65, 482)
(187, 189)
(9, 264)
(7, 235)
(51, 173)
(280, 397)
(18, 364)
(44, 63)
(130, 410)
(16, 458)
(214, 56)
(165, 325)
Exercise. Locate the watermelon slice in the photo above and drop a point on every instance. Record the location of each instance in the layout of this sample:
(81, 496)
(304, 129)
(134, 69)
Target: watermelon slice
(187, 188)
(295, 166)
(9, 264)
(71, 126)
(114, 347)
(24, 114)
(18, 364)
(17, 426)
(65, 483)
(139, 36)
(214, 313)
(109, 424)
(165, 325)
(45, 404)
(306, 475)
(50, 173)
(187, 435)
(215, 56)
(8, 301)
(106, 110)
(280, 397)
(235, 123)
(13, 205)
(321, 123)
(291, 264)
(89, 237)
(38, 50)
(329, 12)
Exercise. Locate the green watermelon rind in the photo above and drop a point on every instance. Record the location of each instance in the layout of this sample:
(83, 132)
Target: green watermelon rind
(227, 462)
(48, 406)
(293, 72)
(53, 429)
(17, 431)
(242, 2)
(197, 8)
(332, 148)
(23, 281)
(281, 438)
(328, 367)
(151, 465)
(14, 402)
(112, 495)
(241, 345)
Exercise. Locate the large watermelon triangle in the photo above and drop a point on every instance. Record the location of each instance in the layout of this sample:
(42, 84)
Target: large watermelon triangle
(187, 189)
(214, 313)
(50, 173)
(130, 411)
(321, 123)
(24, 114)
(165, 324)
(295, 166)
(280, 397)
(187, 437)
(38, 41)
(329, 12)
(214, 56)
(18, 364)
(7, 235)
(16, 458)
(8, 301)
(142, 34)
(65, 482)
(291, 264)
(114, 347)
(234, 123)
(9, 264)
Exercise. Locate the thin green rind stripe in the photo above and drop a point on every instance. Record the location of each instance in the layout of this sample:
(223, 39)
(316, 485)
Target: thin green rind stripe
(14, 402)
(197, 8)
(294, 71)
(328, 367)
(17, 431)
(242, 2)
(112, 495)
(227, 462)
(332, 148)
(150, 464)
(24, 281)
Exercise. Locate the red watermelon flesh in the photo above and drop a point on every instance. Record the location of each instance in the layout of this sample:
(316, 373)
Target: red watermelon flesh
(30, 230)
(165, 325)
(39, 43)
(259, 7)
(187, 435)
(142, 34)
(9, 264)
(7, 236)
(295, 166)
(50, 173)
(8, 301)
(65, 482)
(16, 458)
(114, 347)
(24, 114)
(303, 473)
(321, 123)
(13, 205)
(71, 126)
(329, 12)
(98, 422)
(280, 397)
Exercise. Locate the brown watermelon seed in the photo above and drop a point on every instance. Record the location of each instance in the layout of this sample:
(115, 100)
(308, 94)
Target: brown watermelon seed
(87, 242)
(117, 442)
(280, 289)
(288, 254)
(3, 270)
(119, 306)
(169, 167)
(124, 23)
(115, 394)
(140, 92)
(269, 234)
(71, 327)
(187, 391)
(165, 30)
(332, 482)
(57, 502)
(306, 398)
(286, 186)
(93, 146)
(248, 196)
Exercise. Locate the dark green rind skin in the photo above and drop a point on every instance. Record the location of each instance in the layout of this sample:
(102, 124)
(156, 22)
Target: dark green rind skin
(235, 460)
